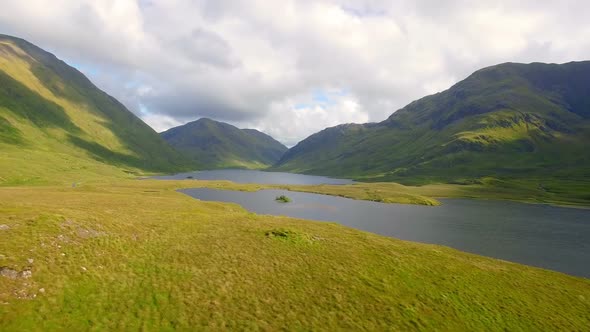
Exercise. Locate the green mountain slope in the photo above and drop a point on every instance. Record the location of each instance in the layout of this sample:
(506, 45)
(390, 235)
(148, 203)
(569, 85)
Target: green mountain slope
(214, 144)
(53, 120)
(510, 121)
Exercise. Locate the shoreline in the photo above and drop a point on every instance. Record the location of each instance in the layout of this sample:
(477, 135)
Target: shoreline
(383, 192)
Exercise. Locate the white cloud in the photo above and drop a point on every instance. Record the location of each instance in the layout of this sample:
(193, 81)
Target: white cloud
(160, 122)
(255, 63)
(291, 121)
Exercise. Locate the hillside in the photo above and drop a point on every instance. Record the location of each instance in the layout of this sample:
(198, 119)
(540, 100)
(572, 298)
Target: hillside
(510, 121)
(55, 123)
(214, 144)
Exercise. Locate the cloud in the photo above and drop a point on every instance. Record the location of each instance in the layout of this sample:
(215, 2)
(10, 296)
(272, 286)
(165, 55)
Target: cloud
(323, 109)
(291, 67)
(160, 122)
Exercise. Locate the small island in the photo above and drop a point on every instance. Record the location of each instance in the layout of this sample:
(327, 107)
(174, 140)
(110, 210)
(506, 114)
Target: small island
(282, 199)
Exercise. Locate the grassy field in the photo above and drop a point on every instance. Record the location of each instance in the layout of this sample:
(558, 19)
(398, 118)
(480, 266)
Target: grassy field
(132, 254)
(572, 193)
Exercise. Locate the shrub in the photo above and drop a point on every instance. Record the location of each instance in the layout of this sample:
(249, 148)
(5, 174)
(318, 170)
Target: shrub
(283, 199)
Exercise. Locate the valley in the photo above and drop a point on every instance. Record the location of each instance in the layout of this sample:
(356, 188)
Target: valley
(96, 233)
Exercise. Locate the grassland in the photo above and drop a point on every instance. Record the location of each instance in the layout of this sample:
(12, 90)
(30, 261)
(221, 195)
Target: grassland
(569, 193)
(129, 254)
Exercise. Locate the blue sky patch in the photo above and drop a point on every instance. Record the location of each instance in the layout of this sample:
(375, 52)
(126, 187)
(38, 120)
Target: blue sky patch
(84, 68)
(323, 98)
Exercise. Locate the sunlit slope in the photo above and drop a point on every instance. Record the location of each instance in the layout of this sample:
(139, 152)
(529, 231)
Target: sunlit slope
(214, 144)
(54, 121)
(511, 121)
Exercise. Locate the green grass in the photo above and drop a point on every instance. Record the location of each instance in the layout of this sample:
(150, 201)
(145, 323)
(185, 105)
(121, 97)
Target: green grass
(137, 255)
(565, 192)
(378, 192)
(283, 199)
(30, 166)
(562, 192)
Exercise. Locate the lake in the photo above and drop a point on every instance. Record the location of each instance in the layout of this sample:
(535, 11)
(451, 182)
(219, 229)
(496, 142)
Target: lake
(550, 237)
(249, 176)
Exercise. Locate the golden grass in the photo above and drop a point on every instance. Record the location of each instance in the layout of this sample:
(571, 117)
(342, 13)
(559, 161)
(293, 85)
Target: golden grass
(138, 255)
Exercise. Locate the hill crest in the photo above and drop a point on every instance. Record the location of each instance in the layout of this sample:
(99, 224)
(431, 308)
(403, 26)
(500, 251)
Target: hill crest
(214, 144)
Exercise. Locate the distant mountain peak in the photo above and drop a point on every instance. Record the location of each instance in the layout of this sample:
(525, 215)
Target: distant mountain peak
(215, 144)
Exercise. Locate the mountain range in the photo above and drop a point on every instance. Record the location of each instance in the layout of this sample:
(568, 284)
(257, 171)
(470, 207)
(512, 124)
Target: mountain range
(509, 121)
(212, 144)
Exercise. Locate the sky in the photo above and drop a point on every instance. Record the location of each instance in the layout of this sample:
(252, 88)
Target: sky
(292, 67)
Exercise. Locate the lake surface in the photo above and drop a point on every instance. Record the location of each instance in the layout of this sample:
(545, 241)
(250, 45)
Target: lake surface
(544, 236)
(249, 176)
